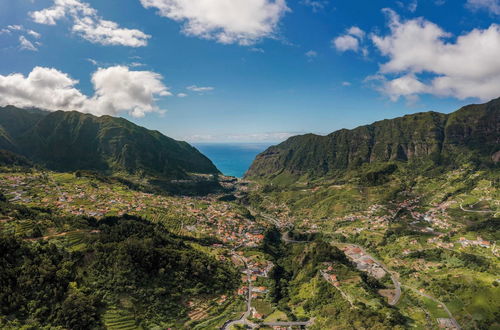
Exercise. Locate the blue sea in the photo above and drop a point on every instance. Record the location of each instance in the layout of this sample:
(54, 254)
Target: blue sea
(232, 159)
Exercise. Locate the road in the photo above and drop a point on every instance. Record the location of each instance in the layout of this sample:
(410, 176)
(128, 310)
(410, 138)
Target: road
(286, 238)
(474, 211)
(437, 301)
(346, 297)
(244, 318)
(394, 275)
(287, 324)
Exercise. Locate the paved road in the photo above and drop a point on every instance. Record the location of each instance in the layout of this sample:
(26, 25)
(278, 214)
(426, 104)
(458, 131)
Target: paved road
(474, 211)
(287, 324)
(244, 318)
(437, 301)
(394, 275)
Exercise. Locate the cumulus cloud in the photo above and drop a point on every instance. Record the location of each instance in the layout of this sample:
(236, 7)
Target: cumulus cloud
(346, 42)
(423, 58)
(356, 31)
(350, 41)
(89, 25)
(25, 44)
(23, 33)
(493, 6)
(181, 95)
(198, 89)
(117, 90)
(227, 21)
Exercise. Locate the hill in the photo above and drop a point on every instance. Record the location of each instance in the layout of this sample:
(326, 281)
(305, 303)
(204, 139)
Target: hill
(469, 134)
(70, 141)
(71, 272)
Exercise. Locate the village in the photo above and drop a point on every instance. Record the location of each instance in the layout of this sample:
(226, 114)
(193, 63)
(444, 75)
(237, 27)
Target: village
(363, 261)
(188, 215)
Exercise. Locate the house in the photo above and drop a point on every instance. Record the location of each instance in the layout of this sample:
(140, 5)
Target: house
(485, 244)
(259, 289)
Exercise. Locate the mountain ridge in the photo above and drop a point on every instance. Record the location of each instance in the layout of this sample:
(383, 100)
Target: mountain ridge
(472, 131)
(69, 141)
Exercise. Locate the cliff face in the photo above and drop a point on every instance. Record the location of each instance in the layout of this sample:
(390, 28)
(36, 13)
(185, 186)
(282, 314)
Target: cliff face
(69, 141)
(472, 130)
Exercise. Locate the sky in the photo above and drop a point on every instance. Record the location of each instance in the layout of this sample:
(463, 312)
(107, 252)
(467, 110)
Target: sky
(249, 70)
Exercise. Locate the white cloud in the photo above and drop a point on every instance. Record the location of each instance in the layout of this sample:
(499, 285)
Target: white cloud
(15, 27)
(117, 90)
(491, 5)
(350, 41)
(346, 42)
(257, 50)
(311, 54)
(34, 34)
(182, 95)
(89, 25)
(235, 137)
(413, 6)
(409, 5)
(25, 44)
(227, 21)
(423, 58)
(198, 89)
(316, 5)
(346, 84)
(356, 31)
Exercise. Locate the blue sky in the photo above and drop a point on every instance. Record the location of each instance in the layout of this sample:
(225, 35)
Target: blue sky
(260, 70)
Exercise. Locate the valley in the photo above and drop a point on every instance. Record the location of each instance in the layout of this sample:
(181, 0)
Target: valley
(389, 250)
(384, 244)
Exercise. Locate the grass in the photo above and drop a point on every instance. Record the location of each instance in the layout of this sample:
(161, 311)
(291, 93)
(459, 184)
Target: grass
(263, 307)
(276, 316)
(76, 241)
(116, 319)
(433, 308)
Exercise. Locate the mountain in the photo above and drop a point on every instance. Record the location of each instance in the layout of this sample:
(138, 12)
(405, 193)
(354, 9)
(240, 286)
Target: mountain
(70, 141)
(469, 134)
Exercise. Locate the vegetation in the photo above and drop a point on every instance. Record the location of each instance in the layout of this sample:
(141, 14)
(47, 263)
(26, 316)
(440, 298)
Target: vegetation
(126, 273)
(467, 135)
(301, 291)
(71, 141)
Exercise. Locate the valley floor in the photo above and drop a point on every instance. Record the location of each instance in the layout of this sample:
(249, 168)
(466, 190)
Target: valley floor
(426, 261)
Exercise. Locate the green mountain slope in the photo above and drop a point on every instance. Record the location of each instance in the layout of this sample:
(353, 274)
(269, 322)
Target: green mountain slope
(96, 274)
(471, 133)
(69, 141)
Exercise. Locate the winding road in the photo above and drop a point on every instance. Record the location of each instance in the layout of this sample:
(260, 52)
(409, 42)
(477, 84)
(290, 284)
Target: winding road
(436, 301)
(394, 275)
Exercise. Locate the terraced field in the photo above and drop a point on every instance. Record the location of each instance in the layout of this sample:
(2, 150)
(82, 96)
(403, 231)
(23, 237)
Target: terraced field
(119, 319)
(174, 224)
(76, 240)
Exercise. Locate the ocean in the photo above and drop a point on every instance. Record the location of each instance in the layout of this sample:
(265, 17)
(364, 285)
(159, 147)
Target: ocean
(232, 159)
